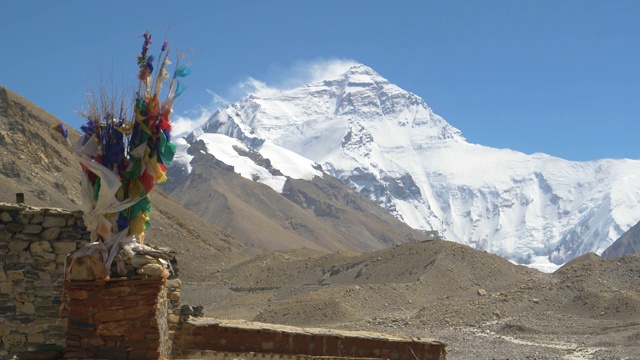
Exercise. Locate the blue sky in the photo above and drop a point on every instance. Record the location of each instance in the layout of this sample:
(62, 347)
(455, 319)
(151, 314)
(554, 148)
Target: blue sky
(559, 77)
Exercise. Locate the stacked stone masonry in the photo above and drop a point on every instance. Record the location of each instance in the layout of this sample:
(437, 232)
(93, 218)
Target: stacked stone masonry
(221, 355)
(34, 243)
(215, 338)
(118, 319)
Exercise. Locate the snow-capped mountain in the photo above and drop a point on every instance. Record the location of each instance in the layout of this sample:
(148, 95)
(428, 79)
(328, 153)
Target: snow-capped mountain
(389, 145)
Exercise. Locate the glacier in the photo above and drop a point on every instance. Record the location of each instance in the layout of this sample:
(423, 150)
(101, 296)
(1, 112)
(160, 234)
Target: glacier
(388, 144)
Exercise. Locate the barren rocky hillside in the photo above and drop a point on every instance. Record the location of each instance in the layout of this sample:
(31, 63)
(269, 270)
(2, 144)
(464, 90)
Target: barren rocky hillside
(483, 306)
(34, 159)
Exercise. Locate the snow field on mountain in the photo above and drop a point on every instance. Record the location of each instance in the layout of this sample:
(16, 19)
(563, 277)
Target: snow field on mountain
(288, 163)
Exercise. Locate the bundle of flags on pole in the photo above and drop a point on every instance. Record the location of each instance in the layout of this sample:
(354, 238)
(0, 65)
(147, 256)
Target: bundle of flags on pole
(125, 150)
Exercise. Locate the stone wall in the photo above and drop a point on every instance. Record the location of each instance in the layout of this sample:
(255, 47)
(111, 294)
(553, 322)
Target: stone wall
(198, 337)
(222, 355)
(34, 243)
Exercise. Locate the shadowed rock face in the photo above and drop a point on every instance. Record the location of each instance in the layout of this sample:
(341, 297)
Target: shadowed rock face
(402, 187)
(628, 243)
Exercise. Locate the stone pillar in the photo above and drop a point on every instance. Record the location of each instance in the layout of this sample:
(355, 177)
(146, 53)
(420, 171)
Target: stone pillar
(122, 318)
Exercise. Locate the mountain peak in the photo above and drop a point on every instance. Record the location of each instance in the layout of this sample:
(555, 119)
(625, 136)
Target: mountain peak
(320, 118)
(360, 69)
(361, 74)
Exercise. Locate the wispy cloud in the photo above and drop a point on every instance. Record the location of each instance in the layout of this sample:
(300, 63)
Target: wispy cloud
(217, 100)
(251, 86)
(183, 125)
(312, 71)
(301, 73)
(280, 78)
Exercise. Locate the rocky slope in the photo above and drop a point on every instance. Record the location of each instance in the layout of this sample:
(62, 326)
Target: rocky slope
(628, 243)
(35, 160)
